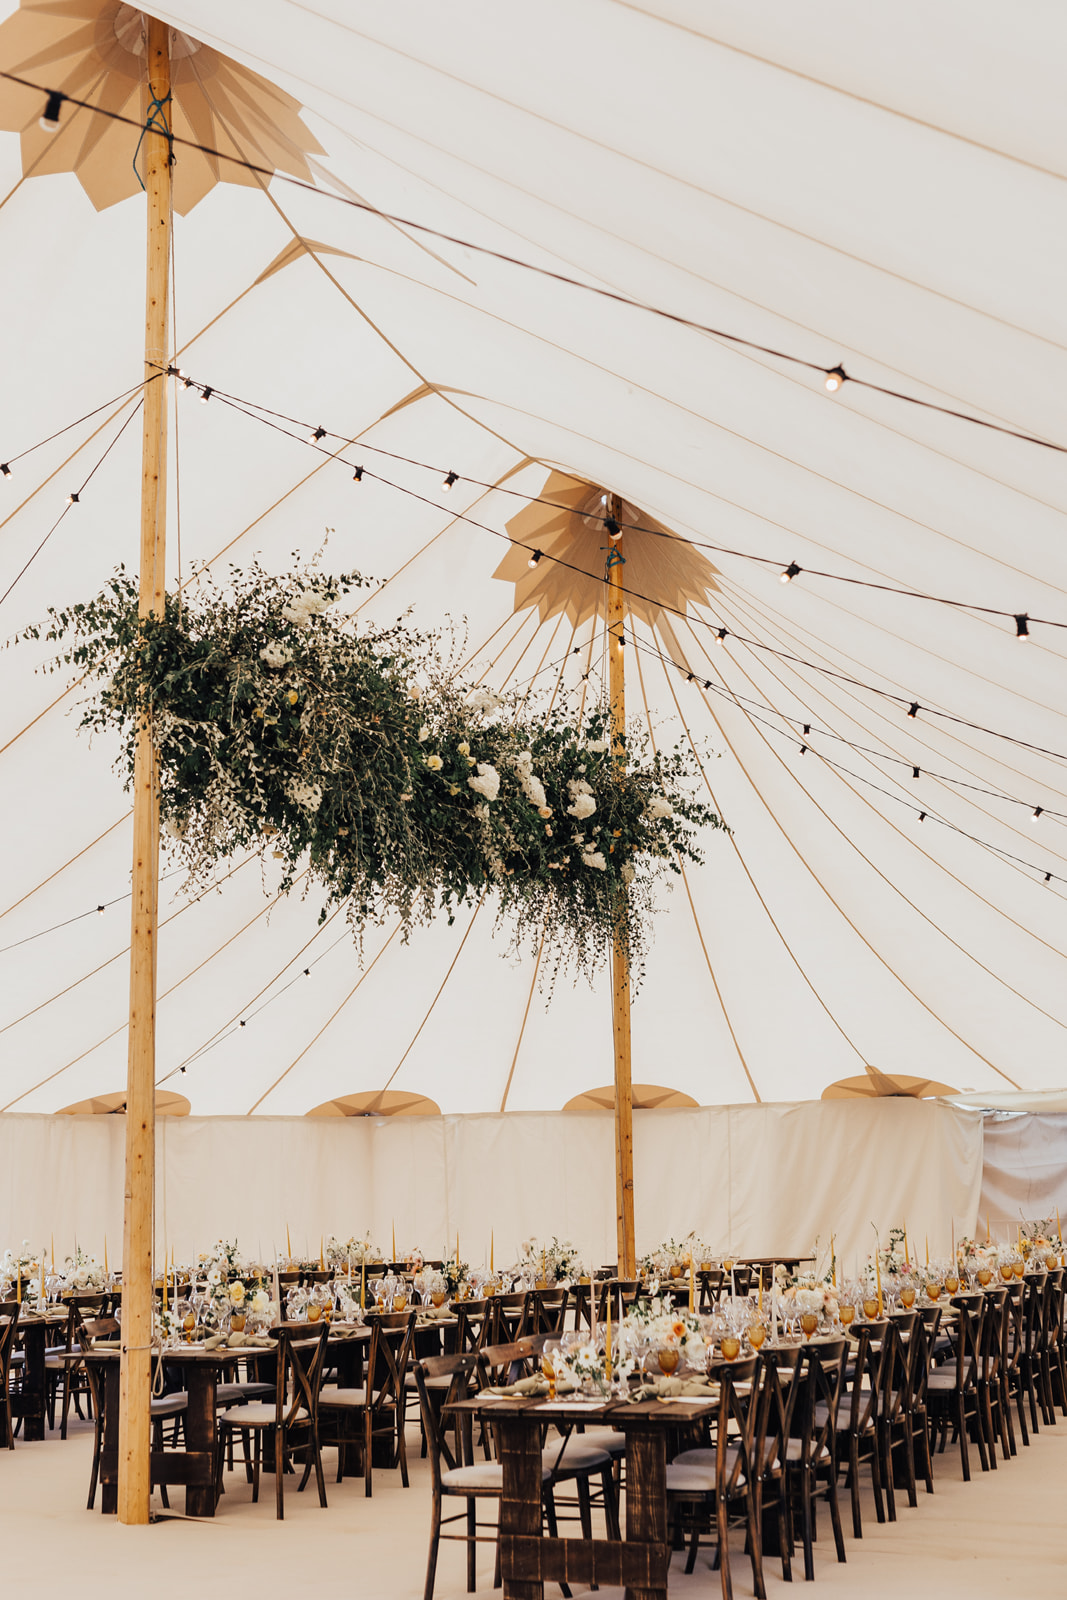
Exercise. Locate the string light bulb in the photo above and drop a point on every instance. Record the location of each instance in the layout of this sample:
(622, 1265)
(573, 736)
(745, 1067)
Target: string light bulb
(788, 573)
(620, 640)
(922, 816)
(5, 469)
(835, 377)
(187, 382)
(915, 772)
(534, 559)
(316, 434)
(1037, 813)
(357, 476)
(449, 480)
(100, 910)
(73, 498)
(614, 531)
(205, 395)
(1048, 877)
(50, 114)
(913, 710)
(1022, 625)
(721, 634)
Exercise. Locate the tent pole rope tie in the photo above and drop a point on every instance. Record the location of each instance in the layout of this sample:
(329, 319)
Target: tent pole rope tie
(155, 122)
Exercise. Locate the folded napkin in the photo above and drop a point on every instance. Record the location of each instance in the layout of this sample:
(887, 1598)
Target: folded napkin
(344, 1330)
(672, 1388)
(435, 1314)
(239, 1341)
(534, 1388)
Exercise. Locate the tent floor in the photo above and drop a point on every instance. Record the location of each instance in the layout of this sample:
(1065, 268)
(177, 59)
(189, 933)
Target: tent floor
(972, 1540)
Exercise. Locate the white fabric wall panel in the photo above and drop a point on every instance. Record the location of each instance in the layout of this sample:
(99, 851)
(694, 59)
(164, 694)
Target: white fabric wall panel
(758, 1179)
(1025, 1170)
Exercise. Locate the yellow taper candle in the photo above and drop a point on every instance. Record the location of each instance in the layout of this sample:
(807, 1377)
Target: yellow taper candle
(878, 1278)
(394, 1241)
(491, 1242)
(907, 1259)
(105, 1252)
(322, 1252)
(987, 1227)
(54, 1245)
(833, 1264)
(40, 1287)
(692, 1284)
(363, 1284)
(288, 1245)
(1059, 1233)
(18, 1281)
(927, 1249)
(607, 1341)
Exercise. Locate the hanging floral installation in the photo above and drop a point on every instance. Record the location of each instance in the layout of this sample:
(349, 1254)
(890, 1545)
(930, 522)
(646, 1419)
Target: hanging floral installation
(359, 757)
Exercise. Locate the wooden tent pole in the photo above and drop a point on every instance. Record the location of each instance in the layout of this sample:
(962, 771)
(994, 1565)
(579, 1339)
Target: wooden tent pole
(620, 966)
(138, 1295)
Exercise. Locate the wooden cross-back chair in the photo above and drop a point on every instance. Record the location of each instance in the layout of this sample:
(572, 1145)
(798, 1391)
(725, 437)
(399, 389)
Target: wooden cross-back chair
(811, 1456)
(9, 1317)
(376, 1410)
(896, 1368)
(952, 1389)
(59, 1371)
(994, 1411)
(292, 1416)
(1055, 1356)
(857, 1422)
(782, 1369)
(711, 1481)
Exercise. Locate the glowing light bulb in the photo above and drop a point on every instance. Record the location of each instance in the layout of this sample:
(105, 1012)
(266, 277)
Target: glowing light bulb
(835, 377)
(534, 559)
(357, 476)
(50, 114)
(913, 710)
(789, 573)
(316, 434)
(205, 395)
(1022, 625)
(1037, 813)
(5, 470)
(449, 480)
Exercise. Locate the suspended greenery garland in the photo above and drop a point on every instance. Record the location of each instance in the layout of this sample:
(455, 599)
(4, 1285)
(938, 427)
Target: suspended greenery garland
(358, 756)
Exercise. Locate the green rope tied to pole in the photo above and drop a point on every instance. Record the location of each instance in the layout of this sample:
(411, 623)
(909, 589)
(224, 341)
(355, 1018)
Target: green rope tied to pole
(155, 122)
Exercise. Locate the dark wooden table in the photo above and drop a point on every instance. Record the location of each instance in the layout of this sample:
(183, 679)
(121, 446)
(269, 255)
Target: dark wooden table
(31, 1402)
(640, 1561)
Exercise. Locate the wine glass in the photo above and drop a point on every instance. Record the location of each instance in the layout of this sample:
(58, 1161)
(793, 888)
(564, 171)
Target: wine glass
(549, 1364)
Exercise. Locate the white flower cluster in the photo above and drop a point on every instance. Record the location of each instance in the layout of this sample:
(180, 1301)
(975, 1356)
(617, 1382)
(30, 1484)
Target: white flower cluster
(276, 654)
(483, 700)
(582, 802)
(486, 782)
(307, 604)
(308, 795)
(597, 747)
(659, 807)
(532, 787)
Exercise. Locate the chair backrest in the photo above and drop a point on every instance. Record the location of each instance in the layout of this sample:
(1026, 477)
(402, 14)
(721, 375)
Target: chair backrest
(896, 1365)
(622, 1292)
(391, 1342)
(923, 1339)
(298, 1373)
(741, 1424)
(474, 1324)
(547, 1312)
(1054, 1280)
(782, 1365)
(709, 1288)
(9, 1317)
(319, 1275)
(507, 1363)
(821, 1385)
(993, 1339)
(862, 1410)
(970, 1316)
(460, 1371)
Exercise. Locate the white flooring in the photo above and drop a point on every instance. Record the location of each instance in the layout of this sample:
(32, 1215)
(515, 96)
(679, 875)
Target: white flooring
(1003, 1531)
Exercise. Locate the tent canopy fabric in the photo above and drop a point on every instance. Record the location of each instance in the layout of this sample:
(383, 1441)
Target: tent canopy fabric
(816, 182)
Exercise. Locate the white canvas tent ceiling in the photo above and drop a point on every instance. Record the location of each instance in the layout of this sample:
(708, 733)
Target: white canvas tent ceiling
(884, 188)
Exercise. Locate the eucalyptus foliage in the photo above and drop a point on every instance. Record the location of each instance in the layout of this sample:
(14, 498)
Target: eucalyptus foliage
(360, 759)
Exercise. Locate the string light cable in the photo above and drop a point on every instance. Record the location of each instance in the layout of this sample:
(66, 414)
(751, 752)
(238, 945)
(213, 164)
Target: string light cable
(719, 629)
(7, 466)
(834, 377)
(787, 571)
(72, 500)
(924, 813)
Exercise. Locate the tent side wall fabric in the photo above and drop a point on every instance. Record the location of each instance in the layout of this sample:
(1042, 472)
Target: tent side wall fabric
(1024, 1173)
(765, 1179)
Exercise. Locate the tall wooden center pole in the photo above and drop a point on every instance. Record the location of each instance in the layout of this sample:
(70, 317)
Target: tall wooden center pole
(135, 1485)
(620, 966)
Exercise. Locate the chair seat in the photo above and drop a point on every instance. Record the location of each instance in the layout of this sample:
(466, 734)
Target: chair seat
(228, 1394)
(941, 1381)
(169, 1405)
(609, 1439)
(54, 1360)
(794, 1448)
(256, 1414)
(431, 1383)
(487, 1476)
(337, 1398)
(692, 1479)
(575, 1456)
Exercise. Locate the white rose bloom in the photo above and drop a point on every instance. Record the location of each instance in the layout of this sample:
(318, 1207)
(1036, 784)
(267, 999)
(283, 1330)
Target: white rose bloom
(424, 733)
(659, 806)
(628, 873)
(275, 654)
(594, 858)
(312, 602)
(534, 790)
(597, 747)
(523, 763)
(177, 830)
(483, 700)
(434, 763)
(584, 806)
(297, 613)
(487, 781)
(577, 786)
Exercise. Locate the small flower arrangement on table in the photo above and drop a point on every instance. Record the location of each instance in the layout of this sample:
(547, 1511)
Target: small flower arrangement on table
(456, 1274)
(357, 1251)
(432, 1285)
